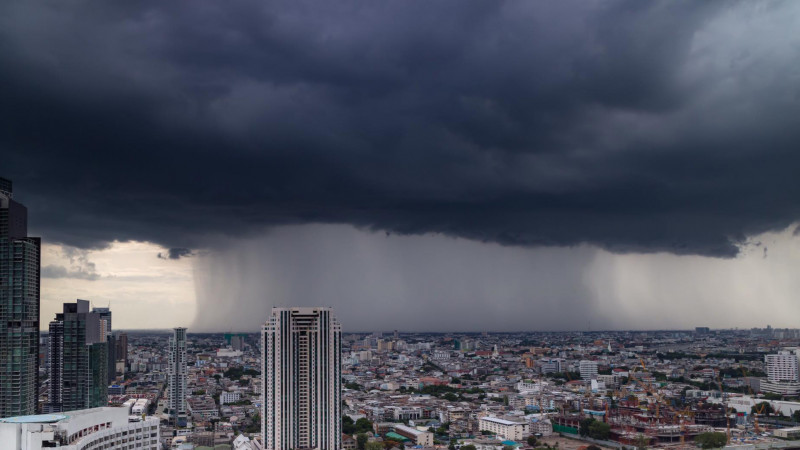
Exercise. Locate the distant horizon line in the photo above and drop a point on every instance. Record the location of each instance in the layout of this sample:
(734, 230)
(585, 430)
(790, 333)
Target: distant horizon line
(642, 330)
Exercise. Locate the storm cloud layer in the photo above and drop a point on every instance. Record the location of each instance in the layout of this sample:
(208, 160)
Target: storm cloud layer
(628, 125)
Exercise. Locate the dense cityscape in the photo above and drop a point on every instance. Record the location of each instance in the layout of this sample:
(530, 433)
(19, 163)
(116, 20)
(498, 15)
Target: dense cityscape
(399, 225)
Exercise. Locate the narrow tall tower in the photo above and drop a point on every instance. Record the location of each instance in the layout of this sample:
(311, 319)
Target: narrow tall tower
(301, 380)
(177, 375)
(105, 324)
(20, 268)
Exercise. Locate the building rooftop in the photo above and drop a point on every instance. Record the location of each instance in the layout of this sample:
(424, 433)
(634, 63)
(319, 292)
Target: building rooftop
(502, 421)
(39, 418)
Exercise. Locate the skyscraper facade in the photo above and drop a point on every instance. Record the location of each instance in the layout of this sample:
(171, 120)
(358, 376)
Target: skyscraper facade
(77, 361)
(177, 375)
(20, 266)
(301, 379)
(121, 353)
(105, 328)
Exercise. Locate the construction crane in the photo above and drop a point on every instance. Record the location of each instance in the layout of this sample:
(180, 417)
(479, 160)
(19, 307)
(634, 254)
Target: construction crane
(753, 396)
(755, 417)
(725, 410)
(682, 415)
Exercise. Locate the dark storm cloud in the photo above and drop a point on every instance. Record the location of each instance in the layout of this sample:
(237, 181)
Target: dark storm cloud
(176, 253)
(634, 126)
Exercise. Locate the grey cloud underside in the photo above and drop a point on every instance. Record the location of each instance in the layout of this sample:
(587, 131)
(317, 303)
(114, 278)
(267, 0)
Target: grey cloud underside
(633, 126)
(56, 271)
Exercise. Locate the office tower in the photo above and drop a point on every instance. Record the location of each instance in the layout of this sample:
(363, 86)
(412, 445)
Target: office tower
(77, 363)
(19, 308)
(301, 379)
(177, 375)
(121, 353)
(105, 325)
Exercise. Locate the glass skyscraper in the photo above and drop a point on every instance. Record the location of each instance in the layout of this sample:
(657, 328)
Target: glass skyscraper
(78, 360)
(301, 379)
(20, 267)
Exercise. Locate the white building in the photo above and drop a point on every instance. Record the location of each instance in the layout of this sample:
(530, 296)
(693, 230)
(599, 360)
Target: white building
(86, 429)
(177, 373)
(139, 407)
(227, 397)
(551, 365)
(441, 355)
(787, 388)
(588, 370)
(301, 377)
(782, 367)
(506, 429)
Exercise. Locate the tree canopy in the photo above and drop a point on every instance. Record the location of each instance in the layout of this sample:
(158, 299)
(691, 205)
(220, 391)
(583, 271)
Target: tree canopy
(711, 440)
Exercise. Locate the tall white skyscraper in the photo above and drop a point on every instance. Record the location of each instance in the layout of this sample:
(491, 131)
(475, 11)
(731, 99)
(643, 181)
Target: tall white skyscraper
(301, 379)
(177, 375)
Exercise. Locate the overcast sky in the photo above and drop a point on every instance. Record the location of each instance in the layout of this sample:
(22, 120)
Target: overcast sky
(415, 165)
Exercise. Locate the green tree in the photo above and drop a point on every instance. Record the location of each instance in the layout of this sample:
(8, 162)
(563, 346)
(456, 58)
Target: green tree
(363, 425)
(599, 430)
(452, 445)
(711, 440)
(348, 426)
(593, 447)
(796, 415)
(451, 397)
(361, 441)
(508, 447)
(468, 447)
(255, 424)
(532, 441)
(583, 427)
(374, 445)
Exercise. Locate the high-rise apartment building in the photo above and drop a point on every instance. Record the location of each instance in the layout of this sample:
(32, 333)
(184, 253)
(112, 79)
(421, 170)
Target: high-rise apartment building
(77, 361)
(301, 380)
(20, 266)
(177, 375)
(588, 370)
(782, 366)
(105, 328)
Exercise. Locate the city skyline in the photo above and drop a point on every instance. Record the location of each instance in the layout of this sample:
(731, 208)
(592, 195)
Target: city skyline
(532, 166)
(399, 225)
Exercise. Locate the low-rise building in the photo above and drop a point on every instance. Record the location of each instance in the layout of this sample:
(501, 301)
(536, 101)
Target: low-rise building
(227, 397)
(507, 429)
(424, 438)
(787, 433)
(202, 406)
